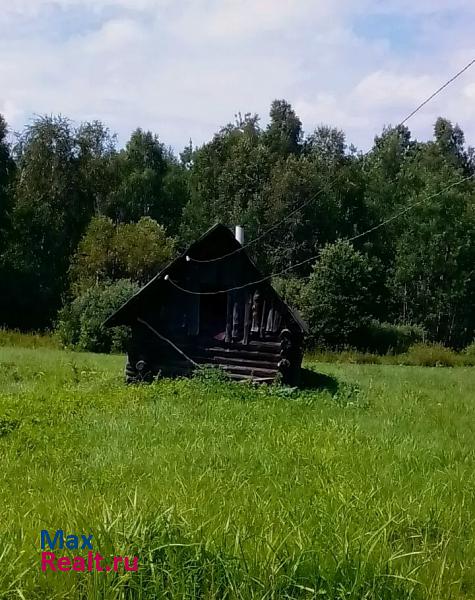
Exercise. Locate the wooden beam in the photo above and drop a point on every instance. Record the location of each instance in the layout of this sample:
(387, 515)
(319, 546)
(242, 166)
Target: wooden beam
(229, 319)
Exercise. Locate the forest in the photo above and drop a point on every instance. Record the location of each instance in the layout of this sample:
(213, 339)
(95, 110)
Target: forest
(84, 223)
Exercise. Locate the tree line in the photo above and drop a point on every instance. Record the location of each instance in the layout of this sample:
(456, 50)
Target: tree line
(83, 223)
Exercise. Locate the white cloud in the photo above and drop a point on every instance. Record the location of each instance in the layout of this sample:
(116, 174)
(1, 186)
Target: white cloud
(421, 7)
(185, 68)
(231, 19)
(383, 89)
(469, 91)
(35, 7)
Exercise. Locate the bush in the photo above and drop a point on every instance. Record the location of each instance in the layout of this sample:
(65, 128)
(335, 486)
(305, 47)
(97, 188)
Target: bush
(338, 299)
(80, 324)
(211, 374)
(108, 252)
(432, 355)
(468, 355)
(470, 350)
(291, 289)
(387, 338)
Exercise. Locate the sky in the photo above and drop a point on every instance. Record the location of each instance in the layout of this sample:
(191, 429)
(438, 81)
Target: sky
(184, 69)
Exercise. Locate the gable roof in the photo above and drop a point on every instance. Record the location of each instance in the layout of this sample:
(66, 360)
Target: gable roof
(215, 242)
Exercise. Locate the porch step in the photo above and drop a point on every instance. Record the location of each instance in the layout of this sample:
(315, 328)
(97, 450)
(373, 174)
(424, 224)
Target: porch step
(253, 345)
(234, 371)
(252, 371)
(239, 377)
(230, 361)
(242, 353)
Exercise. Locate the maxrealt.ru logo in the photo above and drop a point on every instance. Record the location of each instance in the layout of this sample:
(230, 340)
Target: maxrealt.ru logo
(93, 561)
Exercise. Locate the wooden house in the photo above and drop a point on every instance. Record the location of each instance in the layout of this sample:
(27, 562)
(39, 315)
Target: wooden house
(212, 306)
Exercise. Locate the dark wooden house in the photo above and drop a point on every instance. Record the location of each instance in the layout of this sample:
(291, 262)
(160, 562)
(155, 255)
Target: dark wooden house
(186, 317)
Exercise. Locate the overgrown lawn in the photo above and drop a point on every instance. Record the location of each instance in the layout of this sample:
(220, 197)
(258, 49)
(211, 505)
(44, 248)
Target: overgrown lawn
(361, 486)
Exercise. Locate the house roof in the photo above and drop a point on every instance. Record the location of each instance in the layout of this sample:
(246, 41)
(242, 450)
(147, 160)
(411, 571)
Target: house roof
(217, 241)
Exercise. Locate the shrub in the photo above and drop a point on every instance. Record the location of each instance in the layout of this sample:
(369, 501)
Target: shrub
(431, 355)
(291, 289)
(470, 350)
(385, 338)
(338, 299)
(211, 374)
(80, 324)
(469, 355)
(109, 252)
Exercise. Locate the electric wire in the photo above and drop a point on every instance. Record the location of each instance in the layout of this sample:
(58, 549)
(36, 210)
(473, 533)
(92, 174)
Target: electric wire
(307, 260)
(437, 92)
(325, 186)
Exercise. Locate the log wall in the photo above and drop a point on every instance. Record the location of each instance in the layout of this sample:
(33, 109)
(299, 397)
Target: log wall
(256, 342)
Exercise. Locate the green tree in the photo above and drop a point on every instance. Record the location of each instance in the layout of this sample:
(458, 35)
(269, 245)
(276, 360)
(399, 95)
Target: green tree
(51, 209)
(175, 194)
(296, 196)
(303, 193)
(317, 201)
(97, 152)
(260, 178)
(142, 187)
(7, 170)
(80, 323)
(433, 280)
(327, 144)
(109, 251)
(450, 140)
(430, 273)
(143, 249)
(283, 135)
(388, 183)
(7, 167)
(227, 177)
(338, 299)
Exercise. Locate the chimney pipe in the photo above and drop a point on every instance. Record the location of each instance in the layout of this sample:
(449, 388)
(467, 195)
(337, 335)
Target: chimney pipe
(239, 234)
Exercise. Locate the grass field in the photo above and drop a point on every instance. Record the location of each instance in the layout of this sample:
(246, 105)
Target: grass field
(362, 487)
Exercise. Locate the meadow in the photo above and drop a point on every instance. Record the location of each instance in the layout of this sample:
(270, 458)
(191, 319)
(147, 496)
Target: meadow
(360, 486)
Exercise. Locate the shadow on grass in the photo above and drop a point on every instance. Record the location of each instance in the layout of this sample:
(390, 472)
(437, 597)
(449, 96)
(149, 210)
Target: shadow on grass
(311, 380)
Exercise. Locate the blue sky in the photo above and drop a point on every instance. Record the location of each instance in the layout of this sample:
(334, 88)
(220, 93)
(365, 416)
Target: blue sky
(183, 69)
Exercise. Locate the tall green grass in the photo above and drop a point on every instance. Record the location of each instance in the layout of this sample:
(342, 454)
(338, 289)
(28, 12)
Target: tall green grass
(360, 487)
(13, 337)
(418, 355)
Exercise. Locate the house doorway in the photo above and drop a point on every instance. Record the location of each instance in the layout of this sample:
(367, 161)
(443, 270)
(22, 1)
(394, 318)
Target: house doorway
(213, 316)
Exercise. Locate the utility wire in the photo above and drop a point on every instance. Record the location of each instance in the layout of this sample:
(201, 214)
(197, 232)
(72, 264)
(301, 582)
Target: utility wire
(307, 260)
(324, 188)
(267, 231)
(165, 339)
(442, 87)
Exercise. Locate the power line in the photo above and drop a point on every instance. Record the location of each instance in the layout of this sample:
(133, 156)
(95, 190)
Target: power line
(315, 196)
(307, 260)
(165, 339)
(262, 235)
(442, 87)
